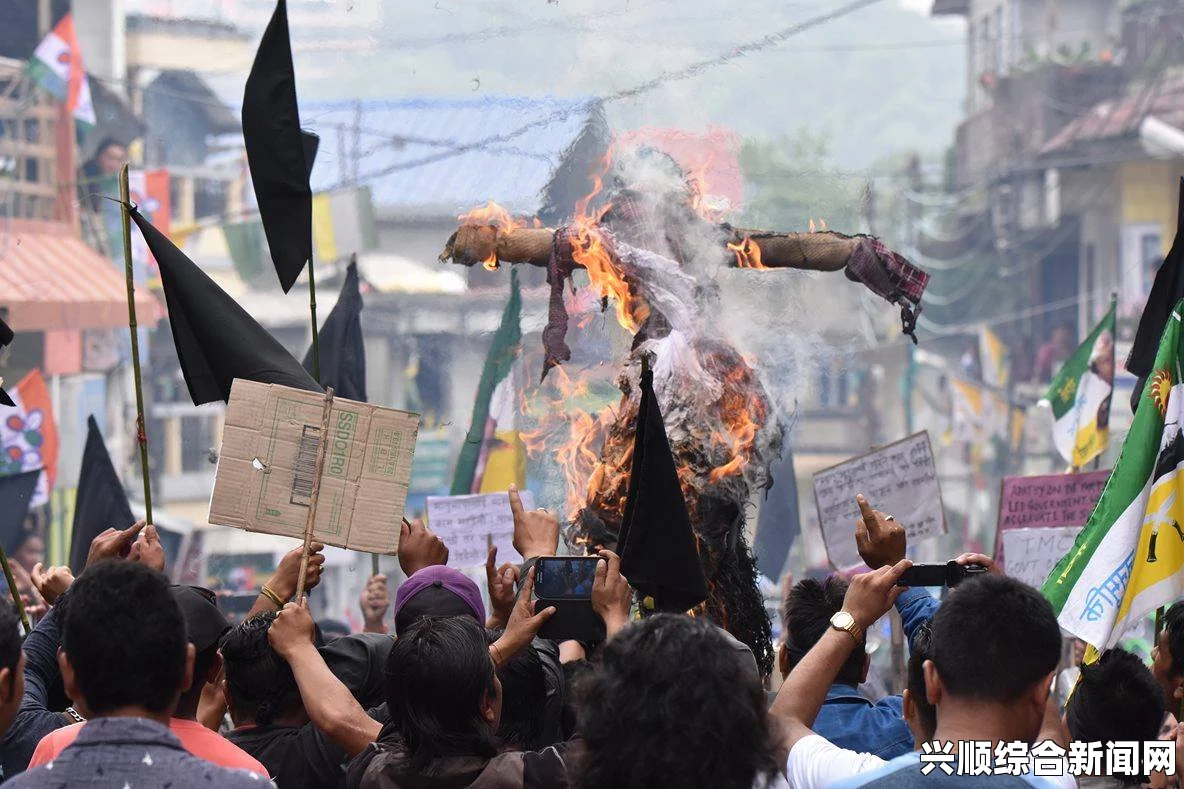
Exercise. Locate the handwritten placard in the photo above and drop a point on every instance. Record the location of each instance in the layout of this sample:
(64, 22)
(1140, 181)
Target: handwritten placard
(1034, 552)
(899, 479)
(1049, 501)
(468, 524)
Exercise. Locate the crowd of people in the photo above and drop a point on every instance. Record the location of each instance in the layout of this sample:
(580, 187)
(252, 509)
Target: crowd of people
(127, 681)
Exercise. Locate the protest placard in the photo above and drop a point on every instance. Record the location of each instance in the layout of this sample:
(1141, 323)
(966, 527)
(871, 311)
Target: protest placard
(1048, 501)
(899, 479)
(266, 467)
(1034, 552)
(469, 524)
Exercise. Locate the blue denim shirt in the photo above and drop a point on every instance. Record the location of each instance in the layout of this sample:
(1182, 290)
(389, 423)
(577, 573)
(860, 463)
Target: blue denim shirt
(850, 720)
(115, 753)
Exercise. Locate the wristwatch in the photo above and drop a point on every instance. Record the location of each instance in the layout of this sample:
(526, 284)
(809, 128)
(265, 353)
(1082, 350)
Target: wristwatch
(845, 622)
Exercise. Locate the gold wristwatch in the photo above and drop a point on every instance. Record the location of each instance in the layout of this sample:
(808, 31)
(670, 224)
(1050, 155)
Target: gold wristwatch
(845, 622)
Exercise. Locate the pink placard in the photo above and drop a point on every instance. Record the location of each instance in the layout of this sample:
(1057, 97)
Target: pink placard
(1047, 501)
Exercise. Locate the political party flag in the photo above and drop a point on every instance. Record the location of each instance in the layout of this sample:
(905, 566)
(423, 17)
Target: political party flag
(57, 67)
(996, 360)
(1129, 558)
(279, 155)
(216, 339)
(343, 223)
(101, 502)
(658, 549)
(28, 435)
(493, 454)
(980, 414)
(343, 352)
(1167, 289)
(1080, 396)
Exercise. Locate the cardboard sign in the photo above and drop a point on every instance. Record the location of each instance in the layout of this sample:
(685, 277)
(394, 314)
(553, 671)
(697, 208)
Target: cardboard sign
(1049, 501)
(899, 479)
(468, 525)
(267, 465)
(1035, 552)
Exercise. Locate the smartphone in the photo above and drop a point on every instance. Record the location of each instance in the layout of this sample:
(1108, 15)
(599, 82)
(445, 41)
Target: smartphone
(565, 577)
(949, 574)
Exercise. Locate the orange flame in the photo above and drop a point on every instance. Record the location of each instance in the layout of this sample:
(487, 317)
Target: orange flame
(748, 253)
(742, 412)
(820, 227)
(492, 215)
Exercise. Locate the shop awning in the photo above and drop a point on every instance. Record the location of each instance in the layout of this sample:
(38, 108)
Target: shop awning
(51, 280)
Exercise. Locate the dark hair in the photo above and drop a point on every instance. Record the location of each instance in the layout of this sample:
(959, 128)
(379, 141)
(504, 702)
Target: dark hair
(1116, 699)
(259, 680)
(806, 618)
(124, 637)
(993, 638)
(10, 637)
(1173, 625)
(524, 694)
(438, 675)
(920, 651)
(672, 703)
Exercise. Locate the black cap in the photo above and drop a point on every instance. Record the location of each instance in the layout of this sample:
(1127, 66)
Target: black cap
(204, 623)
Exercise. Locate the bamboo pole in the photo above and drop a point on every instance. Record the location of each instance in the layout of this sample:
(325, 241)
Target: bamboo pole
(16, 595)
(316, 492)
(141, 431)
(316, 332)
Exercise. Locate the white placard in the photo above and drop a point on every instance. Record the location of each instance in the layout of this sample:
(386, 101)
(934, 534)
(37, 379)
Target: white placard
(899, 479)
(1032, 553)
(467, 525)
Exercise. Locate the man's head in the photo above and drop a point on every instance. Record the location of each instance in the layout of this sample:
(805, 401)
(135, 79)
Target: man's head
(1116, 699)
(110, 156)
(808, 609)
(123, 642)
(441, 690)
(524, 694)
(12, 666)
(1167, 658)
(204, 627)
(919, 714)
(673, 703)
(259, 686)
(996, 643)
(437, 591)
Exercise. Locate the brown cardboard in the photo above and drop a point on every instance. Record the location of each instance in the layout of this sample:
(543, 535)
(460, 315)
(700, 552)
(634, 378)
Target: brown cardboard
(271, 430)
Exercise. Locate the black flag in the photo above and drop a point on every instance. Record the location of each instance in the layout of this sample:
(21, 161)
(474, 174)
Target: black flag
(279, 154)
(779, 523)
(656, 543)
(16, 491)
(1166, 291)
(6, 336)
(217, 341)
(101, 502)
(343, 354)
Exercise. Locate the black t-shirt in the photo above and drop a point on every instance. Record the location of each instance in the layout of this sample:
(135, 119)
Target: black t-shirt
(295, 756)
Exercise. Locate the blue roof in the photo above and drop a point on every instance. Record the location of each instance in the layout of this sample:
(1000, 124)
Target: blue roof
(405, 144)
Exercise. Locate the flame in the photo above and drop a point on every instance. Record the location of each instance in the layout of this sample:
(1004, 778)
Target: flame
(698, 183)
(742, 412)
(748, 253)
(492, 215)
(820, 227)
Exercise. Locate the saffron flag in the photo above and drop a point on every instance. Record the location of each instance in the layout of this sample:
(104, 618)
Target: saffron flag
(494, 455)
(1080, 396)
(57, 67)
(980, 414)
(996, 361)
(1129, 558)
(28, 435)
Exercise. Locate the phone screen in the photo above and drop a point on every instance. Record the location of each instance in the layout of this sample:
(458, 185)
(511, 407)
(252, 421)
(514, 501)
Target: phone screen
(565, 578)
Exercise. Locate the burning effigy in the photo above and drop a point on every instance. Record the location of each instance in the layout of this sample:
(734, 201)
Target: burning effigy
(648, 242)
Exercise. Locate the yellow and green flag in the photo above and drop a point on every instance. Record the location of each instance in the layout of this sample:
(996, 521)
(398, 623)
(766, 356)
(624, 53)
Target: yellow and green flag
(1129, 558)
(1080, 396)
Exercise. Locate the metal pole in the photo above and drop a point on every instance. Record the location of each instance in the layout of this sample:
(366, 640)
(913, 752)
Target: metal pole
(141, 433)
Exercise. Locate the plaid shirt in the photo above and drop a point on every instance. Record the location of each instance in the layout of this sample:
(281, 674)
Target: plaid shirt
(132, 753)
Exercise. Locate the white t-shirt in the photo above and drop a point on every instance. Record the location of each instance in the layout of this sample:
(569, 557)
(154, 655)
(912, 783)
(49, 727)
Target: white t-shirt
(815, 763)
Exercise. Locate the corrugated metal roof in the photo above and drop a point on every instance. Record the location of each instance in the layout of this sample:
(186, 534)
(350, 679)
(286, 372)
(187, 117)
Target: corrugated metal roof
(1121, 117)
(396, 136)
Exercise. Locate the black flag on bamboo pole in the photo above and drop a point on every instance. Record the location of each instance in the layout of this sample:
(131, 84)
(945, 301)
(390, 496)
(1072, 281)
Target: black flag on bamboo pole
(656, 542)
(16, 491)
(101, 502)
(343, 352)
(217, 340)
(279, 154)
(6, 335)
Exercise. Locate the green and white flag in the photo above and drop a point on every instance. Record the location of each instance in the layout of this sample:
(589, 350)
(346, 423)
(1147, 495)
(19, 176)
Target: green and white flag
(1129, 558)
(57, 67)
(1080, 396)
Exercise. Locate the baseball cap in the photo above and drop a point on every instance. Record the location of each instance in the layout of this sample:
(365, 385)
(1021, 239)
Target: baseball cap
(437, 591)
(204, 623)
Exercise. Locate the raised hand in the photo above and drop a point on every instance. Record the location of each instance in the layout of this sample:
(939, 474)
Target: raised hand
(283, 582)
(523, 624)
(870, 595)
(536, 533)
(147, 550)
(114, 543)
(611, 594)
(879, 537)
(291, 629)
(420, 548)
(501, 581)
(51, 583)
